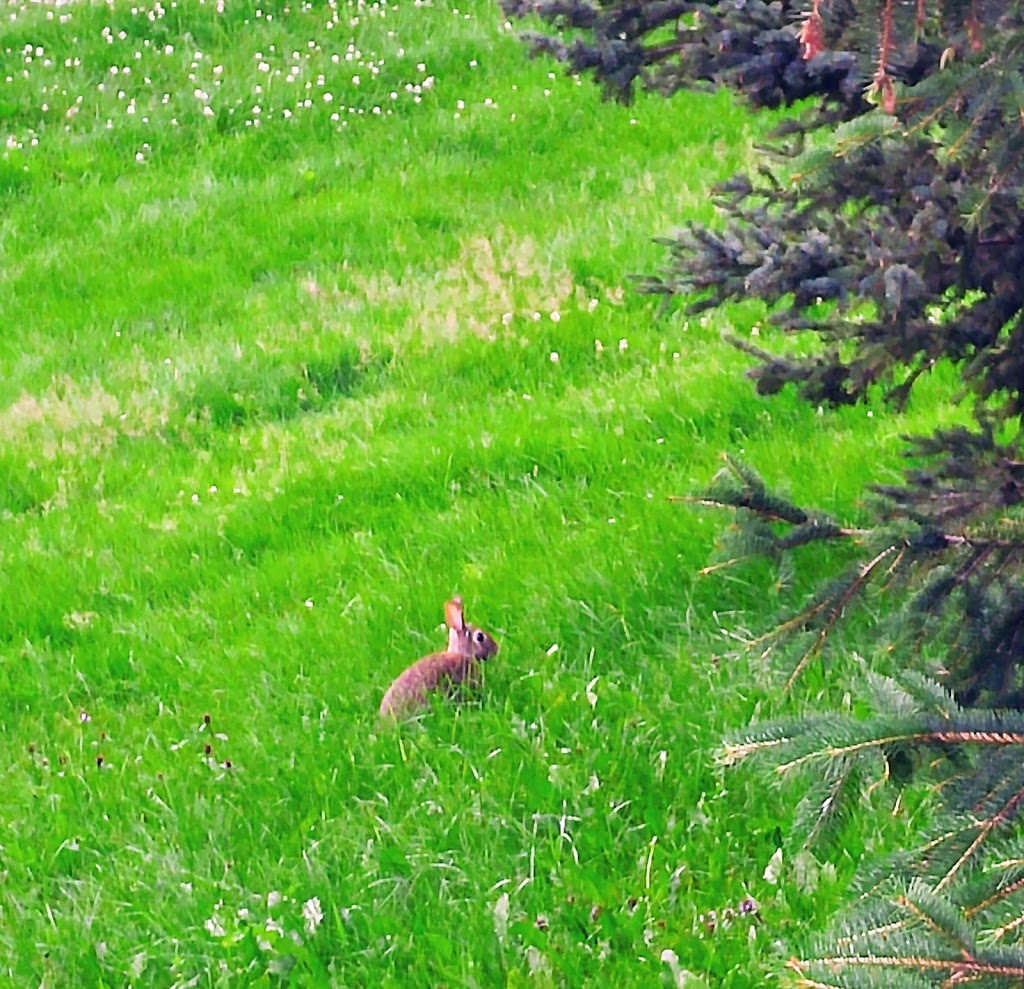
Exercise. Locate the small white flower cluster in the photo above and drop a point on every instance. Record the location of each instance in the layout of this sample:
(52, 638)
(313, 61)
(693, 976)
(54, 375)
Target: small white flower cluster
(272, 929)
(286, 85)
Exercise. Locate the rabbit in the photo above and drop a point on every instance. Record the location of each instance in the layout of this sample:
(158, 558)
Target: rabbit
(467, 645)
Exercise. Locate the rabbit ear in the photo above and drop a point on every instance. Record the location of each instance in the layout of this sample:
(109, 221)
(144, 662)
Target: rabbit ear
(453, 614)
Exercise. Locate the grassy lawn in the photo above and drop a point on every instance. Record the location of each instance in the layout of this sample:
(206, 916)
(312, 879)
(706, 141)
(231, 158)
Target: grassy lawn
(315, 315)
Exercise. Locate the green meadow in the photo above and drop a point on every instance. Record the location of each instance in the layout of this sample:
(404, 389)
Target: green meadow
(313, 316)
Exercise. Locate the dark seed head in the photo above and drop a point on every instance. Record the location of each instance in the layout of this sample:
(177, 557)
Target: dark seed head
(99, 761)
(207, 749)
(206, 719)
(541, 923)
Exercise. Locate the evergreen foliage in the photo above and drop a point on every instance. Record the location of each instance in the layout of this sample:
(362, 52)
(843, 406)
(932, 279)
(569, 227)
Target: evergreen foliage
(948, 911)
(888, 237)
(949, 541)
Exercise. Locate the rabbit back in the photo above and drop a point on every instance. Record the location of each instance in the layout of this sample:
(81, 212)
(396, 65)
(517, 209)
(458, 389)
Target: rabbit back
(439, 671)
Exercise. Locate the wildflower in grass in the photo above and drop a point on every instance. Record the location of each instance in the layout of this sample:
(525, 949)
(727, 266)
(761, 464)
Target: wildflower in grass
(537, 962)
(774, 868)
(312, 914)
(215, 926)
(273, 898)
(501, 918)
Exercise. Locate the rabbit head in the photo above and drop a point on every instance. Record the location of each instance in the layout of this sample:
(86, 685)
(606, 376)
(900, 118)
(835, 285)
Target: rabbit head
(465, 639)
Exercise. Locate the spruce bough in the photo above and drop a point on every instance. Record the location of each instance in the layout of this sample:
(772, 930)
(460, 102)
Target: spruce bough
(886, 226)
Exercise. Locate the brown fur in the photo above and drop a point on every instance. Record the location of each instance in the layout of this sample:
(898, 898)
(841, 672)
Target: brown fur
(441, 671)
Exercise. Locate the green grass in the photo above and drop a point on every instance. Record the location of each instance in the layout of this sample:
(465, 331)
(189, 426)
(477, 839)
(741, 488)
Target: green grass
(272, 386)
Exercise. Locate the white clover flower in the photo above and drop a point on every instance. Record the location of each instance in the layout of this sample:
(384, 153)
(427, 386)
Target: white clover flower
(312, 914)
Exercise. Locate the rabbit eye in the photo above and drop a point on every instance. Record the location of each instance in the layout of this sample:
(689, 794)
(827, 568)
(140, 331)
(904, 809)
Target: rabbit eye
(478, 636)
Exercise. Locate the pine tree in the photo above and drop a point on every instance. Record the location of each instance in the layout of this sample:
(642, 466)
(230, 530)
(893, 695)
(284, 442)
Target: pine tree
(887, 224)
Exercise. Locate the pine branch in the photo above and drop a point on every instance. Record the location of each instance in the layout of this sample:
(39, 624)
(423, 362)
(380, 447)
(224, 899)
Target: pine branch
(837, 610)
